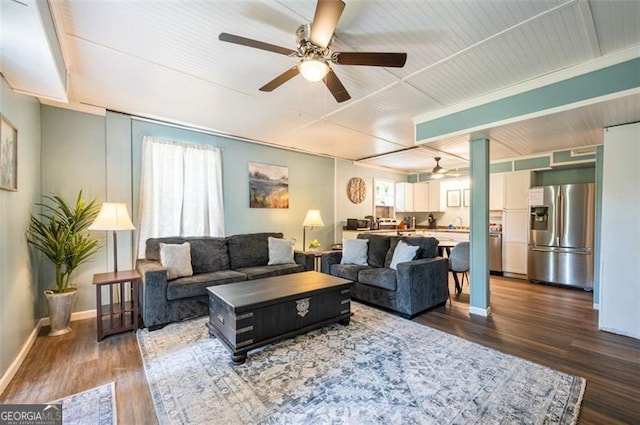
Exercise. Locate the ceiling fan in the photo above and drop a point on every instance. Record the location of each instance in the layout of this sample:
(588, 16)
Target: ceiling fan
(315, 53)
(438, 171)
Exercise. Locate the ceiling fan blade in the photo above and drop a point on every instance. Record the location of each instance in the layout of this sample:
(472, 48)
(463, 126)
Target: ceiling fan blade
(336, 88)
(396, 60)
(325, 20)
(243, 41)
(280, 79)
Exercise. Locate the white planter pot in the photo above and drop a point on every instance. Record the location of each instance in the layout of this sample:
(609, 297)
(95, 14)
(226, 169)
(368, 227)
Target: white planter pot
(60, 308)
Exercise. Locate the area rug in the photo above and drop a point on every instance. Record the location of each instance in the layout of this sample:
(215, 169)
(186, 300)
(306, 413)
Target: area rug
(381, 369)
(93, 406)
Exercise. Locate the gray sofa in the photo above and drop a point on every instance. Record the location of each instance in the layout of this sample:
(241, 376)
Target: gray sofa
(215, 261)
(414, 287)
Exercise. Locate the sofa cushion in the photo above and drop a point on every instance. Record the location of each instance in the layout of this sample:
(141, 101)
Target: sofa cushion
(354, 251)
(208, 254)
(280, 251)
(196, 285)
(250, 250)
(152, 247)
(403, 253)
(260, 272)
(177, 259)
(378, 247)
(428, 247)
(346, 271)
(380, 277)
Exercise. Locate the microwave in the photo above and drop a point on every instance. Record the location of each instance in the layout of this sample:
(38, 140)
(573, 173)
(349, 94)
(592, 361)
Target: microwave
(358, 224)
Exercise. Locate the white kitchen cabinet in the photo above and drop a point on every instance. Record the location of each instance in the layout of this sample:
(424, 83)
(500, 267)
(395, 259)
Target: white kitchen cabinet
(350, 234)
(515, 226)
(404, 196)
(516, 189)
(514, 258)
(435, 203)
(515, 232)
(496, 191)
(421, 197)
(452, 236)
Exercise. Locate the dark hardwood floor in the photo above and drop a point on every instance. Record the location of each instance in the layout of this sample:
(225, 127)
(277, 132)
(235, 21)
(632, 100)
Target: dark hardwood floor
(556, 327)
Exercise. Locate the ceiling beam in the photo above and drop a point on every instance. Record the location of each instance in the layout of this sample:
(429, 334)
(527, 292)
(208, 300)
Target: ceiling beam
(535, 100)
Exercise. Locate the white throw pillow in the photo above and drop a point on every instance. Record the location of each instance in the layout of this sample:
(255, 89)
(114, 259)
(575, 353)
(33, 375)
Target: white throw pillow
(280, 251)
(403, 252)
(177, 259)
(354, 251)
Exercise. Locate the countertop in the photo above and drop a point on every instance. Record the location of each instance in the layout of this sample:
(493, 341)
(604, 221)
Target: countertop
(438, 229)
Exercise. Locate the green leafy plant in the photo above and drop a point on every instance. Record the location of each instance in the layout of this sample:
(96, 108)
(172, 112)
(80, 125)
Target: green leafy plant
(60, 233)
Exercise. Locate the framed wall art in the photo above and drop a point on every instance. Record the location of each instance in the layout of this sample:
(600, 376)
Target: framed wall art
(8, 155)
(453, 198)
(268, 186)
(466, 198)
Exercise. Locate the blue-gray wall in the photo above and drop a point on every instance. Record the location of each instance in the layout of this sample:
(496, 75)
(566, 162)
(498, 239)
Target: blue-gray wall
(102, 156)
(310, 182)
(19, 295)
(73, 152)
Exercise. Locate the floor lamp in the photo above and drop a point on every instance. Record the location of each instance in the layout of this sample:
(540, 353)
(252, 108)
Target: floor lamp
(312, 219)
(113, 216)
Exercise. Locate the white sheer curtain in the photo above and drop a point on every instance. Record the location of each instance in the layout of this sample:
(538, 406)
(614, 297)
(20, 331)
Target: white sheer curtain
(180, 191)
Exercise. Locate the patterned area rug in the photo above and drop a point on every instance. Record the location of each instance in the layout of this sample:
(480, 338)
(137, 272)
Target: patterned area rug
(94, 406)
(381, 369)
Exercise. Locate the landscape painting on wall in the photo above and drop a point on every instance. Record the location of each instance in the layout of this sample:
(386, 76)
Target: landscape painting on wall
(8, 155)
(268, 186)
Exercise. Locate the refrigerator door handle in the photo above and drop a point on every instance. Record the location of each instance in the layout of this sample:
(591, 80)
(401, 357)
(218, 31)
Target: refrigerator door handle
(579, 251)
(561, 234)
(558, 218)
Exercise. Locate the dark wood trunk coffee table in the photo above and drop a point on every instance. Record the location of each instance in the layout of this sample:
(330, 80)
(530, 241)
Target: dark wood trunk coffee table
(250, 314)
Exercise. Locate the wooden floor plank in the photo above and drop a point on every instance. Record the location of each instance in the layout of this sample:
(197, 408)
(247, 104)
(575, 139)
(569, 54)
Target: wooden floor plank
(556, 327)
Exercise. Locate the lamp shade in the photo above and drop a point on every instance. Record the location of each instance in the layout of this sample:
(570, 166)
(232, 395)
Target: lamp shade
(313, 219)
(113, 216)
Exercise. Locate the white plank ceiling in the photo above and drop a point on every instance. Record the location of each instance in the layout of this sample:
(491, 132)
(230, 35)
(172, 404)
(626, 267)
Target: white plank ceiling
(163, 60)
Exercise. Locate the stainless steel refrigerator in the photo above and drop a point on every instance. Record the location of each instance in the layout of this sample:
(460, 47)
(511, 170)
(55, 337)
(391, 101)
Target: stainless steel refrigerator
(561, 229)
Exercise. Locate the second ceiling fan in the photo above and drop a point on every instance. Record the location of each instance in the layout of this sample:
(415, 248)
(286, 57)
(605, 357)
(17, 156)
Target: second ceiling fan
(314, 52)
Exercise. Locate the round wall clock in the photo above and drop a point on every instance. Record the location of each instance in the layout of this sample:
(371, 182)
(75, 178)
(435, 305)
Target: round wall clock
(356, 190)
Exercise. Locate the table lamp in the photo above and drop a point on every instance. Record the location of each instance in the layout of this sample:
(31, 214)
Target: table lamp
(113, 216)
(312, 219)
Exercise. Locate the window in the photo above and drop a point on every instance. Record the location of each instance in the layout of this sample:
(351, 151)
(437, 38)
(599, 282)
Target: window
(180, 191)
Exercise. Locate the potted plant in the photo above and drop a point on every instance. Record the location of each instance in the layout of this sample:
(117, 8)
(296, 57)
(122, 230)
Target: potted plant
(59, 231)
(314, 245)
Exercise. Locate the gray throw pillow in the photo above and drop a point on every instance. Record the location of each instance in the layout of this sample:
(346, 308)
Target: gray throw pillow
(403, 253)
(280, 251)
(177, 260)
(354, 251)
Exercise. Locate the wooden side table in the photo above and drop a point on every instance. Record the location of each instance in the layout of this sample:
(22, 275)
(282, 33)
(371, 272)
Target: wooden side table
(117, 315)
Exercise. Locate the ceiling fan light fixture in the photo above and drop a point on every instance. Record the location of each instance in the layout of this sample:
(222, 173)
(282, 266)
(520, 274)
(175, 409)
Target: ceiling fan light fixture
(438, 169)
(313, 68)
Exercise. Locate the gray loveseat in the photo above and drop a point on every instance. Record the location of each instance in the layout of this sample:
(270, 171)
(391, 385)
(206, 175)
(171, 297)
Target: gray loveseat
(413, 287)
(215, 261)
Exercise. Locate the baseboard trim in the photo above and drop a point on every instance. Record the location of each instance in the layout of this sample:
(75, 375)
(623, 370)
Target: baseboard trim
(17, 362)
(78, 315)
(26, 347)
(484, 312)
(515, 275)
